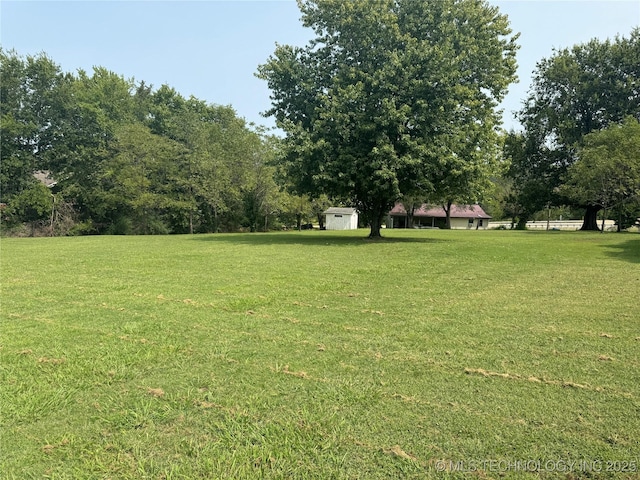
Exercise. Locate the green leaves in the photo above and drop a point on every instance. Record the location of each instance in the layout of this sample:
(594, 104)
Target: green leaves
(583, 89)
(126, 158)
(576, 91)
(30, 102)
(607, 173)
(33, 203)
(370, 103)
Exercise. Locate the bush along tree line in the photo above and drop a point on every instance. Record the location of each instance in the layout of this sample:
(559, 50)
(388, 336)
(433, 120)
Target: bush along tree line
(100, 154)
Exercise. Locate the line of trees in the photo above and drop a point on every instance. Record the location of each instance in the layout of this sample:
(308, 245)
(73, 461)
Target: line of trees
(121, 157)
(392, 101)
(580, 147)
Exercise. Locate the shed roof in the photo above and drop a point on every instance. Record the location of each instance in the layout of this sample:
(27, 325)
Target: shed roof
(339, 211)
(436, 211)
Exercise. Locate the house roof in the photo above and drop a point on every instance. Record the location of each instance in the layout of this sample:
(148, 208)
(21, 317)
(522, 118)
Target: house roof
(44, 176)
(339, 211)
(436, 211)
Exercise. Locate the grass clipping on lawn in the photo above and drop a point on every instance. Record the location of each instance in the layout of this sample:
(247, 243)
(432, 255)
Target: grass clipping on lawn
(318, 354)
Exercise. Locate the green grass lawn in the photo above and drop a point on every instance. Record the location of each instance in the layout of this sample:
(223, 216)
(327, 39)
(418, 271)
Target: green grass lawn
(321, 355)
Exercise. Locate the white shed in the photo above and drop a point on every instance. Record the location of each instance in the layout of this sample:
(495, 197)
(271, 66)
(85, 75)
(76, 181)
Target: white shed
(341, 218)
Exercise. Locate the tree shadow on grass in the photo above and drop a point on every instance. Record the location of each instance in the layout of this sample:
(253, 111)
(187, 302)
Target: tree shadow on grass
(628, 251)
(323, 238)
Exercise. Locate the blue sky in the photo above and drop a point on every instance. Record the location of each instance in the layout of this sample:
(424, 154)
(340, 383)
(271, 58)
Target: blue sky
(211, 49)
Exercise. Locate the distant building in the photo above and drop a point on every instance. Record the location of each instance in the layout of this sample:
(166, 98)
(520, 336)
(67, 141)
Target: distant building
(341, 218)
(45, 177)
(463, 217)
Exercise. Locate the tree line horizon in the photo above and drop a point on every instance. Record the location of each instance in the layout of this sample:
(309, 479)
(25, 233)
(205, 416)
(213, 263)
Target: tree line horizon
(389, 103)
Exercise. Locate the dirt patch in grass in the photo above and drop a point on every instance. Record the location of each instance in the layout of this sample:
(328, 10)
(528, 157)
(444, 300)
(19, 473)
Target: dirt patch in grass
(49, 448)
(511, 376)
(155, 392)
(398, 452)
(605, 358)
(299, 374)
(51, 361)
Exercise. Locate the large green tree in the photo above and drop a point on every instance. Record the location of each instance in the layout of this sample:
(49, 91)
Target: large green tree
(31, 112)
(141, 183)
(94, 108)
(577, 91)
(219, 161)
(463, 173)
(534, 177)
(384, 91)
(607, 172)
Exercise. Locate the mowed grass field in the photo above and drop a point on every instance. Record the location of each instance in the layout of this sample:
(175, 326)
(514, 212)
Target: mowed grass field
(429, 354)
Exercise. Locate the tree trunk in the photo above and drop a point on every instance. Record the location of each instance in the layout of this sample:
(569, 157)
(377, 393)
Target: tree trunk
(321, 221)
(375, 216)
(447, 211)
(522, 223)
(590, 222)
(619, 229)
(376, 226)
(548, 215)
(53, 212)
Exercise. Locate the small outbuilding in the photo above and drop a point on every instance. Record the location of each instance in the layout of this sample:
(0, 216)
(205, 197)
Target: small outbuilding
(467, 217)
(338, 218)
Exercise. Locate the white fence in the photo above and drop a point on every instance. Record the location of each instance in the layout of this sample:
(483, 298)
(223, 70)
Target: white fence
(609, 225)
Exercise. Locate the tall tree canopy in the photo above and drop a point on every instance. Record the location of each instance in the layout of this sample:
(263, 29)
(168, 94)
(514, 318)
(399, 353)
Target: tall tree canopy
(391, 96)
(31, 94)
(125, 158)
(577, 91)
(607, 172)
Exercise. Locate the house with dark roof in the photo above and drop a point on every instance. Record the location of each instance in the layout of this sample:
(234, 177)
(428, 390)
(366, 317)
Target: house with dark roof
(463, 217)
